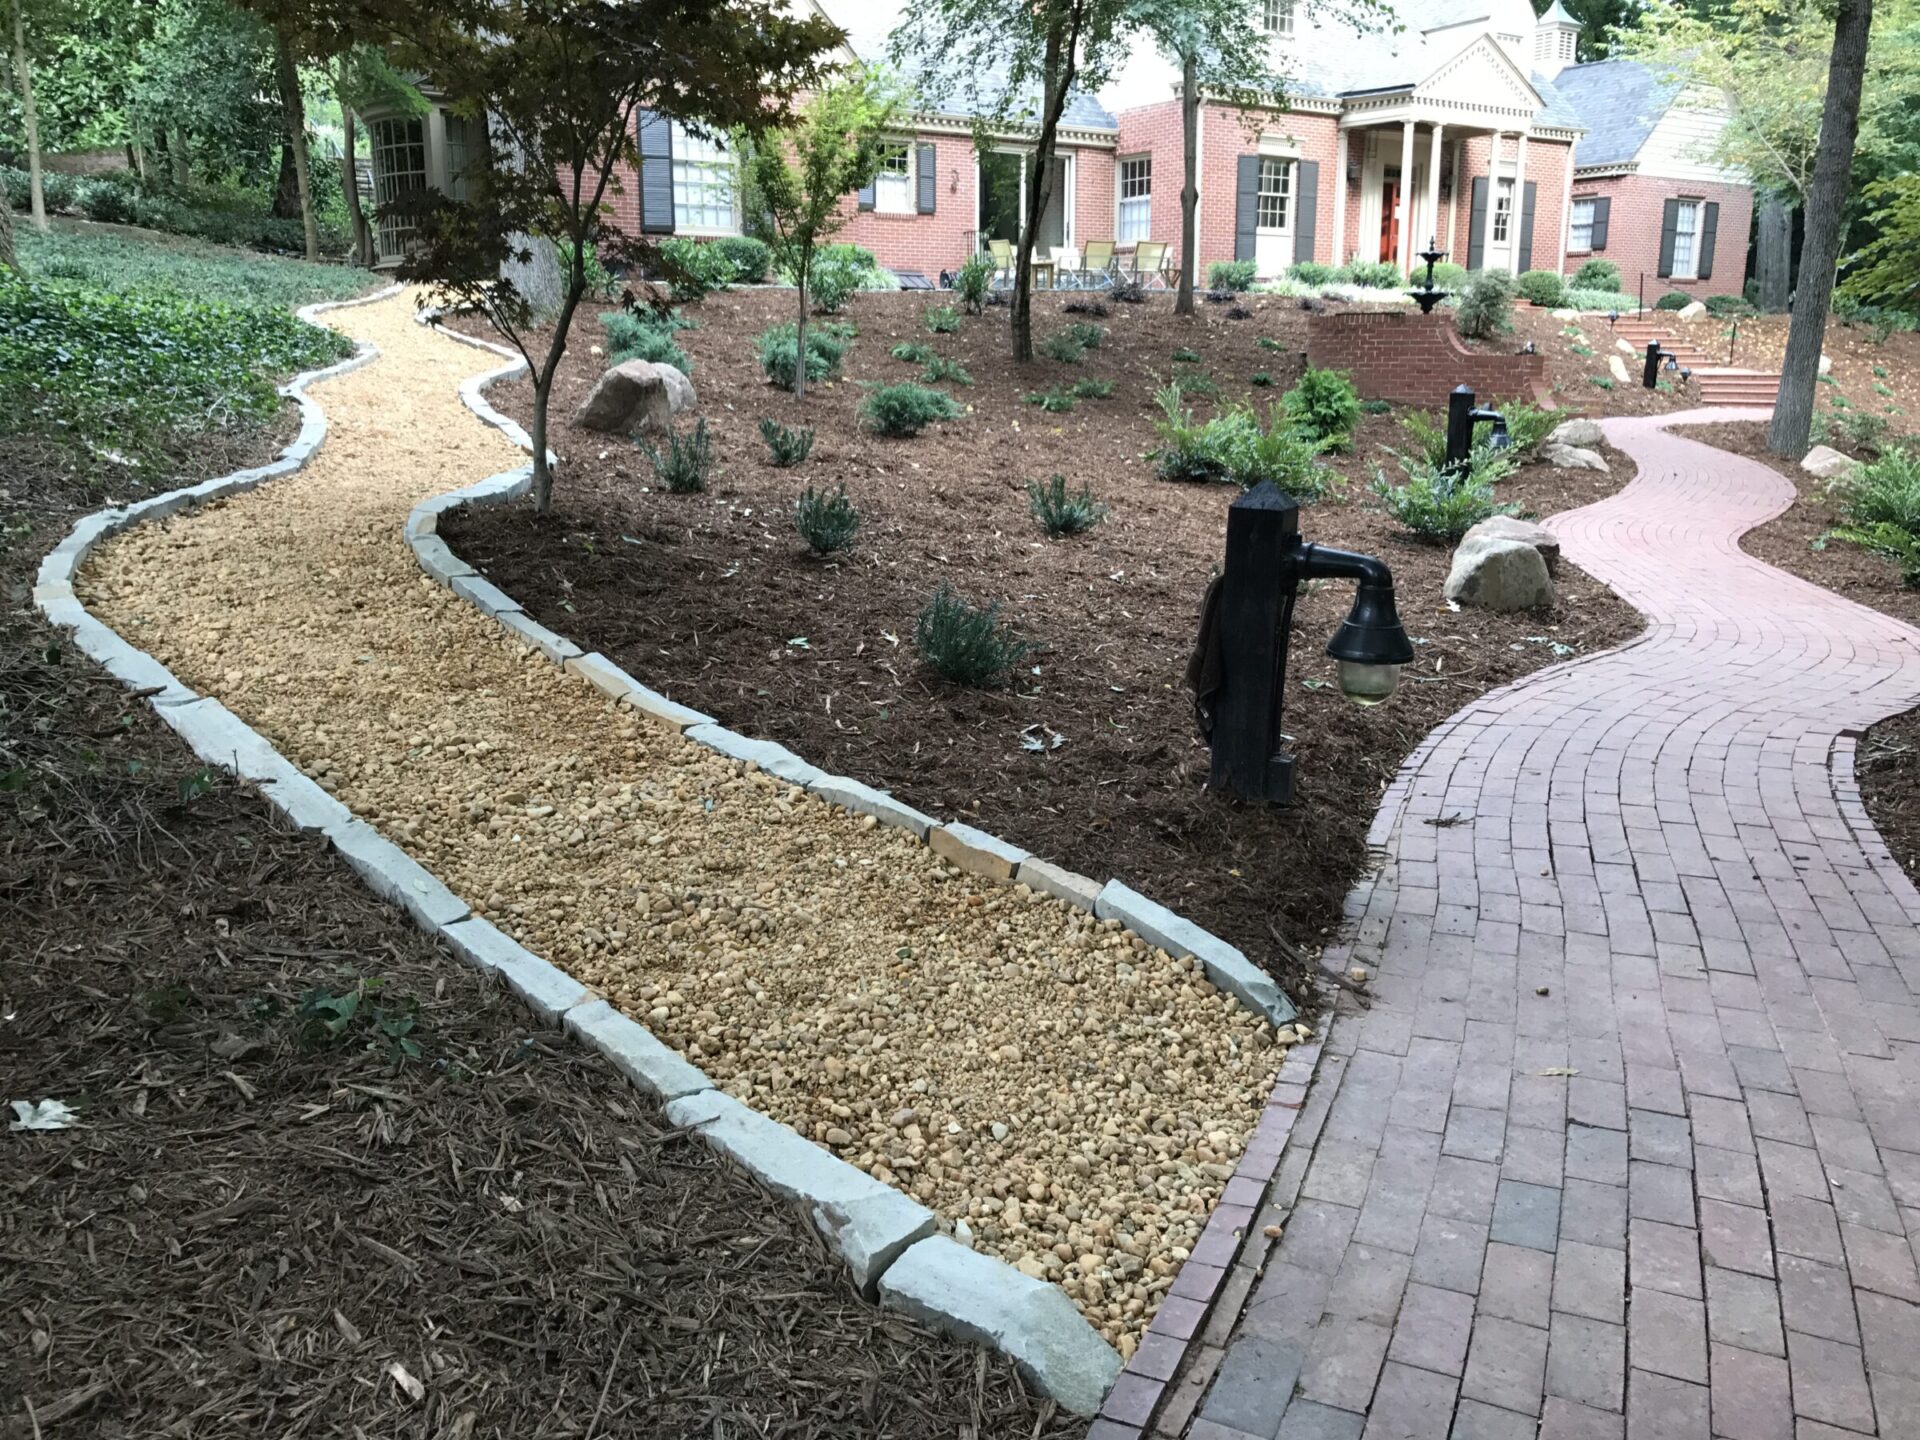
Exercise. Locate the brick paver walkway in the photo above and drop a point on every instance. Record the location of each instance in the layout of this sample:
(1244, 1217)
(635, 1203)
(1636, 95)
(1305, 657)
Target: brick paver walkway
(1629, 1143)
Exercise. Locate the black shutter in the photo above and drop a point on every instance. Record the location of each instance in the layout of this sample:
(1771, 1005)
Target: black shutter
(1306, 208)
(927, 175)
(1601, 208)
(1477, 225)
(1526, 228)
(1669, 223)
(1709, 226)
(866, 196)
(656, 173)
(1246, 209)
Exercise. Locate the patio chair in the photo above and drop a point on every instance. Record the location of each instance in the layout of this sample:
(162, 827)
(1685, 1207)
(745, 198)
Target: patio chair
(1096, 261)
(1150, 262)
(1002, 253)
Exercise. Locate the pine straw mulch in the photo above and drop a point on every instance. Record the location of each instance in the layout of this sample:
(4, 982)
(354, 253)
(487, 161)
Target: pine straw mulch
(251, 1234)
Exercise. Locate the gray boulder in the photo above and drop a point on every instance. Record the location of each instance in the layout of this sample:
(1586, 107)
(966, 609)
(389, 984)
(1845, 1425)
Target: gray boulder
(679, 387)
(1826, 463)
(1495, 573)
(1577, 432)
(1573, 457)
(1505, 527)
(631, 396)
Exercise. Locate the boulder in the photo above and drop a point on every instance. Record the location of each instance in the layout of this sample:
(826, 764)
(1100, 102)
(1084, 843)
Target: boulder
(1564, 314)
(1618, 367)
(1494, 573)
(1577, 432)
(631, 396)
(1505, 527)
(1826, 364)
(679, 388)
(1688, 312)
(1573, 457)
(1628, 347)
(1826, 463)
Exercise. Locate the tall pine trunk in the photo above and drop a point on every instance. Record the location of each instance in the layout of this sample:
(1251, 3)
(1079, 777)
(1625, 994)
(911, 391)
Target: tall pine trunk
(1059, 78)
(350, 187)
(30, 115)
(1189, 182)
(1826, 219)
(293, 109)
(8, 260)
(1773, 256)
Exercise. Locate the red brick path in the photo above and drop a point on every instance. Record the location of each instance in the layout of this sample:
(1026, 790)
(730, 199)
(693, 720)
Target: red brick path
(1628, 1146)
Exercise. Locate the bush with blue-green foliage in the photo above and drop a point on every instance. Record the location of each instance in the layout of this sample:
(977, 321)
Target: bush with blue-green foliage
(1600, 301)
(776, 349)
(1673, 300)
(1234, 446)
(1438, 505)
(839, 271)
(646, 335)
(748, 256)
(902, 411)
(1880, 502)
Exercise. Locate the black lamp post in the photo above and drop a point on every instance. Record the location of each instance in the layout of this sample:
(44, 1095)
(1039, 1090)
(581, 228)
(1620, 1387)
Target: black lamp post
(1462, 416)
(1240, 672)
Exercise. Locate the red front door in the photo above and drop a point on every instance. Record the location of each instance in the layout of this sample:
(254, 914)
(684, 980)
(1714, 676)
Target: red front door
(1390, 220)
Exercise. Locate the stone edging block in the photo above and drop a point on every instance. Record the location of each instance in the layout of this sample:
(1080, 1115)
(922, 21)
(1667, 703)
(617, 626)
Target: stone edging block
(865, 800)
(1062, 884)
(776, 760)
(545, 989)
(942, 1283)
(868, 1223)
(394, 875)
(976, 851)
(1225, 966)
(658, 1069)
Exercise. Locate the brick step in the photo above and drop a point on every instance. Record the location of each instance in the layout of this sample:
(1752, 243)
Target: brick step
(1737, 387)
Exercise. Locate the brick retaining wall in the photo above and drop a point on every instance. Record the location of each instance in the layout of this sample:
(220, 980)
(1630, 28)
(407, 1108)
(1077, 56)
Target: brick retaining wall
(1417, 359)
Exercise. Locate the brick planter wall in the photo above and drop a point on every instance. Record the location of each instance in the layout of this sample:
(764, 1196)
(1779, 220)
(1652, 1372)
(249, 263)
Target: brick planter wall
(1416, 359)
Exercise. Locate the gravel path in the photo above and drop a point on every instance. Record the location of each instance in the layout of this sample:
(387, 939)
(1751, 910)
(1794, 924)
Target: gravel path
(1075, 1097)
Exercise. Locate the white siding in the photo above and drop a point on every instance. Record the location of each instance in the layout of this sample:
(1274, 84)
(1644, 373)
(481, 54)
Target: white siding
(1681, 146)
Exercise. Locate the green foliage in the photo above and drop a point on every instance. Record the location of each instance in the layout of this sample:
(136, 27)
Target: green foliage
(600, 285)
(1673, 300)
(360, 1015)
(1088, 388)
(776, 348)
(683, 467)
(1373, 274)
(1527, 427)
(1055, 399)
(695, 269)
(1860, 432)
(913, 352)
(238, 219)
(185, 268)
(1325, 407)
(645, 335)
(971, 283)
(1260, 379)
(748, 257)
(1184, 356)
(1882, 273)
(1088, 335)
(1234, 275)
(942, 319)
(940, 368)
(827, 522)
(1605, 382)
(1234, 446)
(1728, 307)
(788, 447)
(1437, 506)
(1062, 513)
(1312, 272)
(1894, 542)
(1065, 346)
(1600, 300)
(1543, 288)
(1485, 305)
(1880, 319)
(1884, 491)
(839, 271)
(968, 644)
(1596, 275)
(1446, 275)
(902, 411)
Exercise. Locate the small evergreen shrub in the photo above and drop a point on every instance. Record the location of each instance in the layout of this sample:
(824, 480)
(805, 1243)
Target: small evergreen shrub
(748, 257)
(1235, 275)
(1446, 275)
(787, 447)
(940, 368)
(972, 281)
(644, 335)
(684, 465)
(1087, 307)
(1859, 431)
(1376, 407)
(902, 411)
(826, 522)
(838, 271)
(107, 203)
(1184, 356)
(942, 319)
(1062, 513)
(776, 350)
(1527, 428)
(1373, 274)
(1260, 379)
(1065, 347)
(1673, 300)
(1439, 507)
(1596, 275)
(1728, 307)
(1485, 306)
(1092, 389)
(1088, 335)
(912, 352)
(1055, 400)
(1324, 405)
(1128, 292)
(968, 644)
(1312, 272)
(1890, 542)
(694, 269)
(1885, 491)
(1267, 342)
(1544, 288)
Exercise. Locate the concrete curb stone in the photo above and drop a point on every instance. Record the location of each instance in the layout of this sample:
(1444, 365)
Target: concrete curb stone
(865, 800)
(545, 989)
(1226, 967)
(1062, 884)
(776, 760)
(975, 851)
(395, 875)
(556, 648)
(484, 595)
(658, 1069)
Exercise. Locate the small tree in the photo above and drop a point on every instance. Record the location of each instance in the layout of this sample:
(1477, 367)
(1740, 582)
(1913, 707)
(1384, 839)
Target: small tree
(794, 181)
(29, 113)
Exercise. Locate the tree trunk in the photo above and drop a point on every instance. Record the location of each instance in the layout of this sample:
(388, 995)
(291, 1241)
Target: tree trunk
(293, 108)
(1826, 229)
(1773, 256)
(350, 186)
(8, 260)
(286, 184)
(1189, 183)
(800, 333)
(1059, 79)
(543, 379)
(30, 115)
(177, 157)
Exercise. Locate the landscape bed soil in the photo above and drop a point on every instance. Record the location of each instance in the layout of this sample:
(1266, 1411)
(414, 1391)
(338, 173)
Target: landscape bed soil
(246, 1234)
(1091, 759)
(1887, 762)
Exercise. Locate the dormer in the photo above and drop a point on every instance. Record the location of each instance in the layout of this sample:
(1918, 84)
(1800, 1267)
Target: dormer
(1276, 18)
(1556, 35)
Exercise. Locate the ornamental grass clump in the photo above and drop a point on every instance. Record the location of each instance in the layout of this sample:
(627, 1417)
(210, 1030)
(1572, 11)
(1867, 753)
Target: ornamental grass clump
(902, 411)
(826, 522)
(968, 644)
(1061, 512)
(788, 447)
(912, 352)
(684, 465)
(1439, 506)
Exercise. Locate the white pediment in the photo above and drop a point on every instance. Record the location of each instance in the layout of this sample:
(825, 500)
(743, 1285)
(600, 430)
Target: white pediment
(1482, 75)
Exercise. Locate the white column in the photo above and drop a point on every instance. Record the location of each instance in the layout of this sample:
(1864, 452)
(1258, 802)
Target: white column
(1519, 204)
(1453, 208)
(1433, 183)
(1404, 257)
(1340, 198)
(1566, 217)
(1493, 196)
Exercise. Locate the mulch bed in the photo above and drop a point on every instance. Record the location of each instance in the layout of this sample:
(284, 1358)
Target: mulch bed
(254, 1232)
(1092, 759)
(1885, 763)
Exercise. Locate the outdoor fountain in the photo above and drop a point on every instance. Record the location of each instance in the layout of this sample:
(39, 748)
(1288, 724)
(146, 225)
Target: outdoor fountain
(1428, 297)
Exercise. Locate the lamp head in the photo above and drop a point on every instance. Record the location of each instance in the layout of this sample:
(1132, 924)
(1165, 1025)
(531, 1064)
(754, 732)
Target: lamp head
(1371, 646)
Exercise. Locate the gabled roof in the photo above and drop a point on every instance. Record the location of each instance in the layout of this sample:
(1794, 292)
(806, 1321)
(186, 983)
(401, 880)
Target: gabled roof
(1619, 101)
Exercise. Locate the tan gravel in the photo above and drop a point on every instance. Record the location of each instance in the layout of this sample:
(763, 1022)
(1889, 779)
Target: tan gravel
(1063, 1095)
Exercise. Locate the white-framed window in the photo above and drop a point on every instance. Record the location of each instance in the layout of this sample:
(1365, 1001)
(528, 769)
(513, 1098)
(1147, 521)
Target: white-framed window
(1686, 240)
(702, 184)
(1580, 235)
(1276, 17)
(399, 169)
(893, 185)
(1275, 208)
(1136, 200)
(1502, 212)
(466, 154)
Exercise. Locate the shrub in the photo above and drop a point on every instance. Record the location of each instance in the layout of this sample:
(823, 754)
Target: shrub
(1064, 346)
(944, 368)
(1235, 446)
(1860, 431)
(838, 271)
(643, 335)
(776, 349)
(1543, 288)
(694, 269)
(1055, 400)
(1485, 306)
(1886, 491)
(902, 411)
(1891, 541)
(1373, 274)
(600, 285)
(1184, 452)
(1673, 300)
(1312, 272)
(913, 353)
(788, 447)
(748, 257)
(1087, 334)
(971, 283)
(1439, 506)
(1324, 405)
(1128, 292)
(968, 644)
(1596, 275)
(1092, 389)
(109, 204)
(1233, 275)
(684, 465)
(1062, 513)
(1728, 307)
(1260, 379)
(826, 522)
(942, 319)
(1527, 427)
(1184, 356)
(1578, 299)
(1447, 275)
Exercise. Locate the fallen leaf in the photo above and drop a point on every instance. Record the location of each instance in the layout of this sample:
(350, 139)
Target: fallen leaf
(1559, 1070)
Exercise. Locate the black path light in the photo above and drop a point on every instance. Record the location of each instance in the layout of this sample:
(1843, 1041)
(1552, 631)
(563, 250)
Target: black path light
(1462, 416)
(1239, 669)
